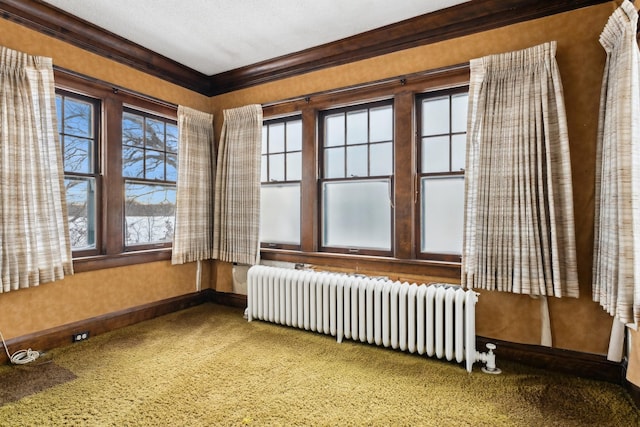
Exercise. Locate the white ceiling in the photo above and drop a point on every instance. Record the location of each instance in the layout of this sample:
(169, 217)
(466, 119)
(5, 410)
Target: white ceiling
(213, 36)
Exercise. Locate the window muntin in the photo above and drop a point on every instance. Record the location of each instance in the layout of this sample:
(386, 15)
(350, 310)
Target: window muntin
(78, 127)
(357, 179)
(442, 131)
(280, 190)
(149, 169)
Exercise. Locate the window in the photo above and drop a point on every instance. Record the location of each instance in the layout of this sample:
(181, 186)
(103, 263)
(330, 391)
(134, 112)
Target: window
(120, 168)
(78, 126)
(356, 178)
(149, 169)
(382, 188)
(442, 130)
(281, 175)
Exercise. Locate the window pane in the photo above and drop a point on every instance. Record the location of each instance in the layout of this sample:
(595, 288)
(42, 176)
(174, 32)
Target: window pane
(276, 138)
(459, 105)
(149, 213)
(381, 159)
(155, 134)
(381, 124)
(357, 214)
(334, 130)
(280, 213)
(458, 152)
(81, 207)
(294, 135)
(172, 137)
(78, 154)
(172, 167)
(442, 214)
(334, 163)
(435, 154)
(77, 118)
(132, 162)
(276, 167)
(132, 132)
(294, 166)
(357, 127)
(435, 116)
(357, 161)
(154, 164)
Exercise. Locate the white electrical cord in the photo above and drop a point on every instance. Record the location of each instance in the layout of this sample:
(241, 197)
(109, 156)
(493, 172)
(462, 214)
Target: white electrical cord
(20, 357)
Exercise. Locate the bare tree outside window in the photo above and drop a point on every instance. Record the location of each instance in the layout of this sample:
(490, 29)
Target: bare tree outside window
(77, 129)
(149, 166)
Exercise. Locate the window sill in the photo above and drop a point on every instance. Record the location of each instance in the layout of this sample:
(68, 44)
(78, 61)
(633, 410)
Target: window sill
(99, 262)
(441, 269)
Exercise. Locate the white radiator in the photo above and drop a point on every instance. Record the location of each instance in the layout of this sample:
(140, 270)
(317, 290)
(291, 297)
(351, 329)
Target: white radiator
(436, 320)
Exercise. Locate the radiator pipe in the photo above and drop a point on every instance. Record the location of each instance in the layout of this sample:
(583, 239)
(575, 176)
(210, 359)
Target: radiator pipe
(489, 358)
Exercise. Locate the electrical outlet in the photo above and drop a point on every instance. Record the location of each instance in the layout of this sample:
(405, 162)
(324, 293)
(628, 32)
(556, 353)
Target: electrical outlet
(80, 336)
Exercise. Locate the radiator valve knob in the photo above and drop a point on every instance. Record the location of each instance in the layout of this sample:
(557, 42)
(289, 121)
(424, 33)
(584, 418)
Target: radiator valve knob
(490, 367)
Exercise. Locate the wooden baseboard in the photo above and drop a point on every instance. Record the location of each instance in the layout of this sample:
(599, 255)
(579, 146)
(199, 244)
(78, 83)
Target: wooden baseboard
(61, 335)
(576, 363)
(228, 299)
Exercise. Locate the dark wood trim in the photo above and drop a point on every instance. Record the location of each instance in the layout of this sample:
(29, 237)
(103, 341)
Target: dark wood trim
(227, 298)
(457, 21)
(119, 259)
(430, 80)
(362, 263)
(404, 175)
(57, 23)
(61, 335)
(576, 363)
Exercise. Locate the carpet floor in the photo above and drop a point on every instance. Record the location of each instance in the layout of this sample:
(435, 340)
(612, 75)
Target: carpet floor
(207, 366)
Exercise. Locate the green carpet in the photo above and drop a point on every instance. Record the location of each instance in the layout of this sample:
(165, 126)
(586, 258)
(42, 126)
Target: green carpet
(208, 366)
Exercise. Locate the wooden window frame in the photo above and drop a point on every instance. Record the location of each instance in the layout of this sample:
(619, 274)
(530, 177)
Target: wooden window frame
(146, 181)
(96, 162)
(112, 251)
(419, 174)
(273, 121)
(322, 115)
(403, 91)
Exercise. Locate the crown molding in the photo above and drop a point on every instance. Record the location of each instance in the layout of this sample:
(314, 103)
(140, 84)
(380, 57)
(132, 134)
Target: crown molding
(457, 21)
(59, 24)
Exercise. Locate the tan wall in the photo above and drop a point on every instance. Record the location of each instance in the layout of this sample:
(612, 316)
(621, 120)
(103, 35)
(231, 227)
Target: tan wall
(575, 324)
(90, 294)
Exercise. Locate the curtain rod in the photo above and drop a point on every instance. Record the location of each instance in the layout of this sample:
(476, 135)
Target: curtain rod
(115, 88)
(402, 80)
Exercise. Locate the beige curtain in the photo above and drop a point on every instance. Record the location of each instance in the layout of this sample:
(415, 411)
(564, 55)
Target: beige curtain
(237, 196)
(193, 237)
(616, 266)
(34, 238)
(519, 227)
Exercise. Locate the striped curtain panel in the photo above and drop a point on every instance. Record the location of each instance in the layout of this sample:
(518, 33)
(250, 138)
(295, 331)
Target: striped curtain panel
(34, 238)
(519, 229)
(193, 236)
(237, 196)
(616, 265)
